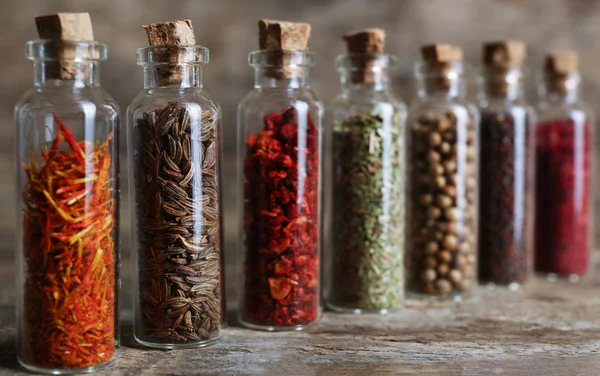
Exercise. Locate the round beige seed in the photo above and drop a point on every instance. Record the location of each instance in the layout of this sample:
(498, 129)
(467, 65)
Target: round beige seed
(431, 248)
(452, 214)
(435, 139)
(450, 191)
(445, 148)
(450, 242)
(444, 256)
(434, 212)
(443, 269)
(440, 182)
(443, 201)
(428, 275)
(444, 286)
(450, 166)
(425, 199)
(434, 157)
(455, 276)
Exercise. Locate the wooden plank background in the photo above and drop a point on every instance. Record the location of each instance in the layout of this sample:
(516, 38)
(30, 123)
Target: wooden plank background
(228, 28)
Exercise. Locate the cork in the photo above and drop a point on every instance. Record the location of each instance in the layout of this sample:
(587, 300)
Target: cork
(502, 60)
(65, 27)
(439, 59)
(367, 41)
(283, 35)
(275, 37)
(442, 53)
(361, 46)
(170, 33)
(504, 54)
(177, 32)
(558, 67)
(562, 63)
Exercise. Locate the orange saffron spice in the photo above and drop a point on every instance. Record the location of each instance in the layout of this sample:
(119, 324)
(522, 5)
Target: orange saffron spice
(69, 248)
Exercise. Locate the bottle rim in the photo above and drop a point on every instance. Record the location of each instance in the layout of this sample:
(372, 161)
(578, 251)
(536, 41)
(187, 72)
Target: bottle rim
(510, 74)
(453, 69)
(280, 58)
(61, 50)
(172, 54)
(356, 62)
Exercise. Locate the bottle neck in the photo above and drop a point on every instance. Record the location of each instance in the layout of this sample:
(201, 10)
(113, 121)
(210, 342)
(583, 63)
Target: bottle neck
(364, 81)
(445, 80)
(501, 84)
(283, 77)
(561, 88)
(66, 74)
(179, 76)
(441, 87)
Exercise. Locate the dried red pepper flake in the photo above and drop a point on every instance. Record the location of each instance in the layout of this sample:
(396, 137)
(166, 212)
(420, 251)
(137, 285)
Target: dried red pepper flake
(563, 179)
(281, 222)
(69, 251)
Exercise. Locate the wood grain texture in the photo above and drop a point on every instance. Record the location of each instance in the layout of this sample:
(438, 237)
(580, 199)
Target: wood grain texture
(544, 329)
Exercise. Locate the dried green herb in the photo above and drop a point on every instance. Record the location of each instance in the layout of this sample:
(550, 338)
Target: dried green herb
(368, 216)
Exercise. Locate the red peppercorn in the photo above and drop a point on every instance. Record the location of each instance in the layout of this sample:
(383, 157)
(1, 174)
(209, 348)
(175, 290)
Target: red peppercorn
(563, 179)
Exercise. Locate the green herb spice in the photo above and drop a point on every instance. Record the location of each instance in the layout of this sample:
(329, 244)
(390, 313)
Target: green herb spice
(368, 216)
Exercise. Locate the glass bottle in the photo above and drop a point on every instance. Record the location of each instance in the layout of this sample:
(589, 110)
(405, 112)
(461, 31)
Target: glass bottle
(279, 149)
(67, 235)
(441, 147)
(366, 190)
(175, 201)
(564, 153)
(505, 254)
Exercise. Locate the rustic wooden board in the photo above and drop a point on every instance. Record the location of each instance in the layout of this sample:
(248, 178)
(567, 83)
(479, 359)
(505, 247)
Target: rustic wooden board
(544, 329)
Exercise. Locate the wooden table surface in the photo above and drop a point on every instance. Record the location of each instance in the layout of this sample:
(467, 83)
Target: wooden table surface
(544, 329)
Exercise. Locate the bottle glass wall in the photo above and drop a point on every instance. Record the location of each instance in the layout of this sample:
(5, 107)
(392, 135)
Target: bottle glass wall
(505, 254)
(564, 158)
(67, 195)
(365, 189)
(442, 153)
(173, 137)
(279, 157)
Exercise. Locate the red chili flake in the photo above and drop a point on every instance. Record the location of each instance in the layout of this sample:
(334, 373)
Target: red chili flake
(281, 222)
(69, 251)
(563, 179)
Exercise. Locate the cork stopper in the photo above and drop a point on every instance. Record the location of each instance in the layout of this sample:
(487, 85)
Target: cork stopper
(439, 60)
(559, 67)
(65, 26)
(61, 27)
(367, 41)
(361, 47)
(277, 37)
(562, 63)
(170, 33)
(442, 53)
(504, 55)
(177, 32)
(283, 35)
(503, 60)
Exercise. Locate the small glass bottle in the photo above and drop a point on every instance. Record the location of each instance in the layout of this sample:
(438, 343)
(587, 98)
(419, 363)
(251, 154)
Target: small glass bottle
(67, 232)
(564, 165)
(442, 151)
(505, 254)
(279, 129)
(367, 185)
(175, 199)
